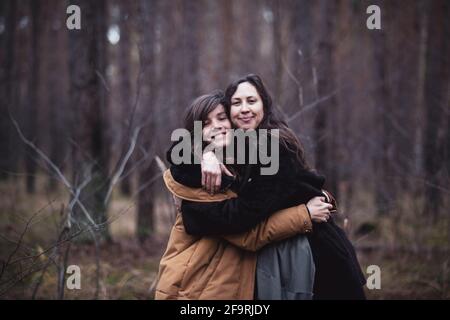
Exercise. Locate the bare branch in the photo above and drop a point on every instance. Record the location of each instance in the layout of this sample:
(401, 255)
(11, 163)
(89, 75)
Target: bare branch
(55, 168)
(19, 243)
(297, 82)
(42, 154)
(105, 84)
(312, 105)
(121, 168)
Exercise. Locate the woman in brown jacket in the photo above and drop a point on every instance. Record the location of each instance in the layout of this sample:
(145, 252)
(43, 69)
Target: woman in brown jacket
(201, 267)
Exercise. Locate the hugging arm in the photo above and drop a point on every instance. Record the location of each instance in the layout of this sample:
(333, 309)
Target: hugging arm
(261, 197)
(281, 225)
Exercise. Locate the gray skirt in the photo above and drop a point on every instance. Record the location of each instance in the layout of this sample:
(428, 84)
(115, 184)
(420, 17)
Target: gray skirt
(285, 270)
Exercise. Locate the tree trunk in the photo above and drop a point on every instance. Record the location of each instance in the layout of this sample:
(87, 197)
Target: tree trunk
(88, 102)
(57, 100)
(436, 86)
(125, 87)
(383, 155)
(325, 126)
(33, 99)
(191, 17)
(145, 219)
(226, 22)
(7, 163)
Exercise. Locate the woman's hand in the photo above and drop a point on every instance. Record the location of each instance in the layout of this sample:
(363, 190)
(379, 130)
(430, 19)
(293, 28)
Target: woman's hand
(319, 209)
(212, 170)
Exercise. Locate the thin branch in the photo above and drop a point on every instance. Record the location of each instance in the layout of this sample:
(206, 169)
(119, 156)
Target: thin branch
(54, 167)
(148, 183)
(137, 163)
(121, 168)
(105, 84)
(294, 78)
(137, 97)
(313, 105)
(42, 154)
(16, 248)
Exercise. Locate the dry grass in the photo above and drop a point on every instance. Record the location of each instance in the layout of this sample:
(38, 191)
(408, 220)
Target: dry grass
(412, 253)
(127, 267)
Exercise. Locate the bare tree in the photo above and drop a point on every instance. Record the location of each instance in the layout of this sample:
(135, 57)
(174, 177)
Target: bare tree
(191, 17)
(32, 105)
(125, 72)
(88, 91)
(436, 101)
(56, 98)
(8, 13)
(145, 220)
(326, 129)
(383, 106)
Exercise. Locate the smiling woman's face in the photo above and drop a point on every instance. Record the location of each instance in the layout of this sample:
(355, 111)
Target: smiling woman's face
(246, 110)
(216, 128)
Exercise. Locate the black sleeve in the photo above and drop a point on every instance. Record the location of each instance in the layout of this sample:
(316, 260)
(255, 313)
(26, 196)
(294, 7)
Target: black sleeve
(260, 197)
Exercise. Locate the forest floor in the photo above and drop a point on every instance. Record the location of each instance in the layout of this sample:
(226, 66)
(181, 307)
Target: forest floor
(128, 268)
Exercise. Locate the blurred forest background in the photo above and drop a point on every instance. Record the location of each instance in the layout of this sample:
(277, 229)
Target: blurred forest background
(86, 117)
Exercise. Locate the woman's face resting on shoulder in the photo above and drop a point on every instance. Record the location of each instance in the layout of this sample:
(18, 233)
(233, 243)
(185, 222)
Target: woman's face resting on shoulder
(216, 128)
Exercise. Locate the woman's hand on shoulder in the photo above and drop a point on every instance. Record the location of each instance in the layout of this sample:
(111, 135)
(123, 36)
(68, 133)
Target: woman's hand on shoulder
(212, 170)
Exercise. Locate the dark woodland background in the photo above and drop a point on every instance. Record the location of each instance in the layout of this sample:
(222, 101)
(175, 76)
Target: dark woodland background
(86, 116)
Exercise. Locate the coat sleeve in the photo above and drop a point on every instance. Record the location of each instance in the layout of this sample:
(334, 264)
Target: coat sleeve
(261, 197)
(281, 225)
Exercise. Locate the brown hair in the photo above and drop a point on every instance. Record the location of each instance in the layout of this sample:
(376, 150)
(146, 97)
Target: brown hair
(198, 111)
(201, 107)
(272, 116)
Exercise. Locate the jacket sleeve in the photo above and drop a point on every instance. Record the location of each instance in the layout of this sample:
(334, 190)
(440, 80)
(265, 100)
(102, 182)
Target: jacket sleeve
(261, 197)
(281, 225)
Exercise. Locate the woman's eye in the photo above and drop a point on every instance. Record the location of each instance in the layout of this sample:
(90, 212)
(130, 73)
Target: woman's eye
(251, 101)
(236, 103)
(206, 123)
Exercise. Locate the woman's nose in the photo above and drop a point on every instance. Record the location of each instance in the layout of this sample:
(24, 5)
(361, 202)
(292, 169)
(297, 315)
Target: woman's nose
(245, 108)
(217, 125)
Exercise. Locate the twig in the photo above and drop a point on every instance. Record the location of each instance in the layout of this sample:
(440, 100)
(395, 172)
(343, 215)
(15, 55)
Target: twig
(97, 264)
(102, 79)
(5, 265)
(54, 167)
(121, 168)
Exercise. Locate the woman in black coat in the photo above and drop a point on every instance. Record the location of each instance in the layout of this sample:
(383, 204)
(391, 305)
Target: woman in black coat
(338, 274)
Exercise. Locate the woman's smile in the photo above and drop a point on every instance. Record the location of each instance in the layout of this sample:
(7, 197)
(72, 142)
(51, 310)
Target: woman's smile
(247, 109)
(216, 127)
(219, 135)
(246, 119)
